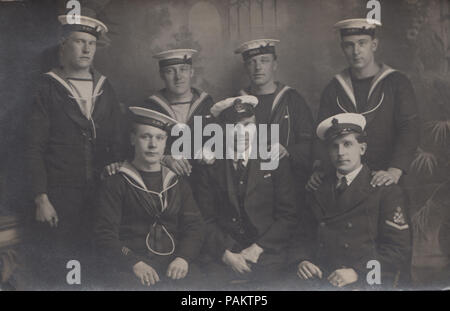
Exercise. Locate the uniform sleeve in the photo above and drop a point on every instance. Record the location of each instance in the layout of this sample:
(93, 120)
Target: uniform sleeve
(38, 128)
(217, 240)
(304, 242)
(393, 241)
(278, 234)
(406, 123)
(192, 227)
(120, 134)
(326, 110)
(107, 220)
(300, 152)
(207, 118)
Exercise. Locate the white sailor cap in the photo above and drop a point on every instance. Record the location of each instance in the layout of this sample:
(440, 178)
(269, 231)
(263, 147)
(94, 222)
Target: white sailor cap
(86, 24)
(341, 124)
(357, 26)
(234, 108)
(154, 118)
(175, 57)
(256, 47)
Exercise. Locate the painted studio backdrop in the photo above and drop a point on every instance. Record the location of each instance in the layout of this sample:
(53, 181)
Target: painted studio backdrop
(415, 39)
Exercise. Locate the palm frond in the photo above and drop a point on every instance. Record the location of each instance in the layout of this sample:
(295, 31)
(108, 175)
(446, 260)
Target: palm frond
(440, 130)
(421, 218)
(420, 221)
(424, 162)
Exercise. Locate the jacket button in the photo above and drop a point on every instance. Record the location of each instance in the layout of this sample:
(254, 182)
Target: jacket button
(233, 219)
(241, 182)
(321, 245)
(322, 224)
(346, 245)
(349, 225)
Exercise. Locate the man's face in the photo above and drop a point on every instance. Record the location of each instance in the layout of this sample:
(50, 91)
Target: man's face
(244, 132)
(359, 50)
(78, 50)
(261, 69)
(346, 152)
(149, 143)
(177, 78)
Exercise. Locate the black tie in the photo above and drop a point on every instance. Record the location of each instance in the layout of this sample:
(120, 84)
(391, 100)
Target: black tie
(342, 186)
(240, 166)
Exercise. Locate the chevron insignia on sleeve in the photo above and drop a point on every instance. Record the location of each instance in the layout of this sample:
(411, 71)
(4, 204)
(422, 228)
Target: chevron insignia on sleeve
(392, 224)
(398, 221)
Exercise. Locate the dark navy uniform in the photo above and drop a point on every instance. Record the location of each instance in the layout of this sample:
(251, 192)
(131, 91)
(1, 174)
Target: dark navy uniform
(199, 106)
(361, 224)
(288, 108)
(134, 223)
(65, 154)
(390, 111)
(242, 208)
(64, 148)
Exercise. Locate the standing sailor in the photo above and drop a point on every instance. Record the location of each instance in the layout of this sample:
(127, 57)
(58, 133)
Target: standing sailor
(382, 94)
(147, 225)
(180, 100)
(73, 133)
(279, 104)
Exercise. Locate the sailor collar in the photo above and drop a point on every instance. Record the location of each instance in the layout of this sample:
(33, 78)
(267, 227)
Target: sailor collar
(135, 179)
(344, 79)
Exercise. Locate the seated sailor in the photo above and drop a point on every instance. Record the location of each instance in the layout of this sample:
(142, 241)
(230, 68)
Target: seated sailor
(350, 225)
(147, 224)
(249, 209)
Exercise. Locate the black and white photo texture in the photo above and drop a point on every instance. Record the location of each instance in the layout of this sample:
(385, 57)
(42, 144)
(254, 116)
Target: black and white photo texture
(224, 145)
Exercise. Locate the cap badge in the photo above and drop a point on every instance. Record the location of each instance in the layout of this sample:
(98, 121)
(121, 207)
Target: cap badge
(399, 218)
(239, 106)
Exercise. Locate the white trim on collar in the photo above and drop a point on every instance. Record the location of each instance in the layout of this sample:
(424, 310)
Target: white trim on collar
(160, 101)
(348, 88)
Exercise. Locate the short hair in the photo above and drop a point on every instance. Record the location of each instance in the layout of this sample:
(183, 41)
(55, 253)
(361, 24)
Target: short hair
(161, 69)
(275, 57)
(361, 137)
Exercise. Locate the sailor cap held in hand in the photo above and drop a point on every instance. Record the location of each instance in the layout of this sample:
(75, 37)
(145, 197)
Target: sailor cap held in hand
(153, 118)
(357, 26)
(341, 124)
(235, 108)
(256, 47)
(86, 24)
(175, 57)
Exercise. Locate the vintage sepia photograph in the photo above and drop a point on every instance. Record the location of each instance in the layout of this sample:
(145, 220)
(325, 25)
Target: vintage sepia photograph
(224, 146)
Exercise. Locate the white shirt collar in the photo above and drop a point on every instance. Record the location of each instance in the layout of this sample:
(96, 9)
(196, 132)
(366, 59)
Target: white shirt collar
(246, 155)
(350, 176)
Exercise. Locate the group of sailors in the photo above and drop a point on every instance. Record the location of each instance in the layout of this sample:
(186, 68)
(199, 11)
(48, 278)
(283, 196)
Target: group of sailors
(109, 193)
